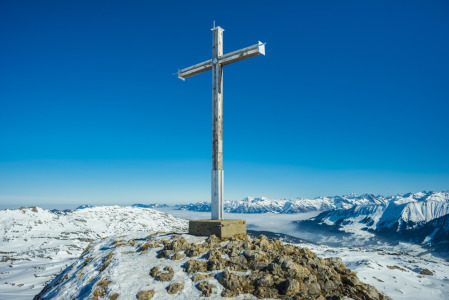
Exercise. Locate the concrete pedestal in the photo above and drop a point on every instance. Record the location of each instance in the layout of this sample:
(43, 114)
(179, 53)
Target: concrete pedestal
(221, 228)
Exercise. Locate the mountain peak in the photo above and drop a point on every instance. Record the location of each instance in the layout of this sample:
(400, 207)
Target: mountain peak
(174, 266)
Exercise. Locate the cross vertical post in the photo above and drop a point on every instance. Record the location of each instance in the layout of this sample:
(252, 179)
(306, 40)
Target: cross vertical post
(217, 126)
(218, 226)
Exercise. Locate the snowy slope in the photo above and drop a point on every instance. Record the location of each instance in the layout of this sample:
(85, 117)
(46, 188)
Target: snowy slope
(412, 210)
(36, 244)
(398, 275)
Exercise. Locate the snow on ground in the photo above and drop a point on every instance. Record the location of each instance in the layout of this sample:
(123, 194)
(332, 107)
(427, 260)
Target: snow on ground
(394, 274)
(37, 244)
(128, 271)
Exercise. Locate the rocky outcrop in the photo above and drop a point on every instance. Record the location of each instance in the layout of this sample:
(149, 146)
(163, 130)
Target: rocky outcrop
(268, 268)
(282, 271)
(145, 295)
(175, 288)
(167, 275)
(190, 266)
(206, 288)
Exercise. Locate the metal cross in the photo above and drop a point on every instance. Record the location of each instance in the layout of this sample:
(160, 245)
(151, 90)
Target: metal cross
(216, 64)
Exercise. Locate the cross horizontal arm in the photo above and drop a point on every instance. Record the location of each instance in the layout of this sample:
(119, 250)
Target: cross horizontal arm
(195, 69)
(223, 60)
(242, 54)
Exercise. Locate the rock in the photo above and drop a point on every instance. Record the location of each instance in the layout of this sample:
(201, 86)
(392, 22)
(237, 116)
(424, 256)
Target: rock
(335, 261)
(212, 239)
(397, 268)
(114, 296)
(165, 253)
(325, 272)
(232, 252)
(192, 253)
(254, 255)
(154, 272)
(258, 265)
(253, 276)
(260, 238)
(145, 295)
(206, 288)
(194, 266)
(165, 276)
(229, 294)
(275, 269)
(239, 261)
(196, 250)
(264, 245)
(372, 292)
(233, 245)
(213, 253)
(292, 269)
(265, 281)
(178, 245)
(199, 276)
(242, 237)
(177, 256)
(235, 283)
(246, 246)
(147, 246)
(329, 286)
(216, 264)
(334, 297)
(342, 270)
(266, 292)
(175, 288)
(314, 289)
(426, 272)
(288, 287)
(351, 280)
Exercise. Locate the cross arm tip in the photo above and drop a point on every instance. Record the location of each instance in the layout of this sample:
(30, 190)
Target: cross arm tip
(179, 75)
(261, 48)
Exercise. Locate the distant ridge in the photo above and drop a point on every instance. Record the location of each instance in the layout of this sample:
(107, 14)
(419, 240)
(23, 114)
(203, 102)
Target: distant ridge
(84, 206)
(421, 218)
(300, 205)
(152, 205)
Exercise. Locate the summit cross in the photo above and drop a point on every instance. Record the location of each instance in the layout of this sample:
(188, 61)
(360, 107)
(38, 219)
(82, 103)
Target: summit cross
(216, 64)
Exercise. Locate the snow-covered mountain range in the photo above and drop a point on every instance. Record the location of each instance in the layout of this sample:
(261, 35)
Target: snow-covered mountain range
(251, 205)
(419, 218)
(300, 205)
(36, 244)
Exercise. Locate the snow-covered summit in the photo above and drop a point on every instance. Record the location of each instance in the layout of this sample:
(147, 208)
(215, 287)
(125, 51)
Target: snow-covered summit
(188, 267)
(181, 266)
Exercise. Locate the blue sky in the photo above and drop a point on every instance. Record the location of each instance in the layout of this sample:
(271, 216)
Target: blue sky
(350, 97)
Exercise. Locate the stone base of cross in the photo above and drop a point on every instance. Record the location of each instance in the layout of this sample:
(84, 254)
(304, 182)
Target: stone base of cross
(216, 64)
(224, 228)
